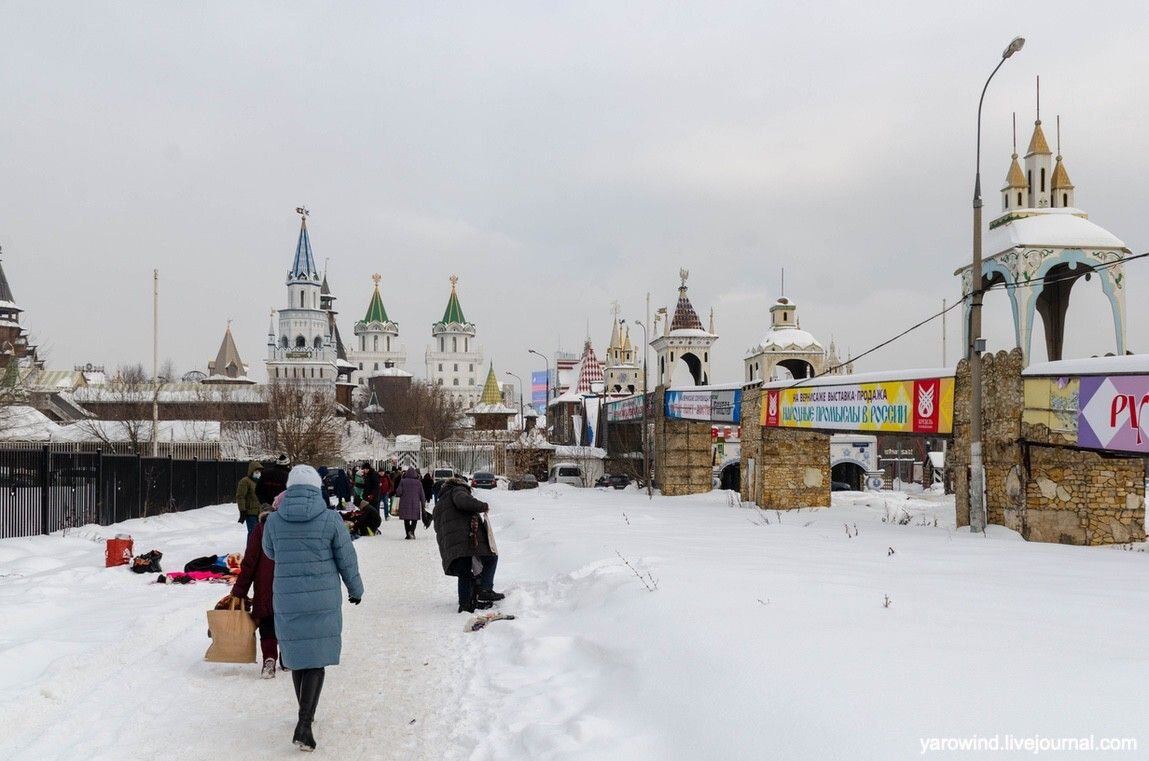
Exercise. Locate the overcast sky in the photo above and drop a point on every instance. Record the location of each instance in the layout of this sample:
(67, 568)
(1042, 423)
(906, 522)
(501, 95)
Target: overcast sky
(557, 156)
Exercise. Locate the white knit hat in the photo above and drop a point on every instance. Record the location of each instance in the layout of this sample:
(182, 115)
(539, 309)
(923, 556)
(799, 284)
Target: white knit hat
(306, 475)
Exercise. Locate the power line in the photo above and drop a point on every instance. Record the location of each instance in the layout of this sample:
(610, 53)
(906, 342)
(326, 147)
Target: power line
(995, 286)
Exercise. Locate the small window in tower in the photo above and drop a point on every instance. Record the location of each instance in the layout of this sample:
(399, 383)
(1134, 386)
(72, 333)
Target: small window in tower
(319, 342)
(375, 343)
(360, 365)
(1019, 199)
(388, 343)
(1043, 179)
(277, 372)
(376, 365)
(455, 382)
(283, 342)
(301, 299)
(471, 368)
(440, 344)
(1065, 199)
(455, 345)
(471, 381)
(313, 372)
(440, 367)
(300, 342)
(440, 381)
(456, 367)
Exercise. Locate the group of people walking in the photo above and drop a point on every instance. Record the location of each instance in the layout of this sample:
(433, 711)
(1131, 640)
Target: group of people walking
(300, 556)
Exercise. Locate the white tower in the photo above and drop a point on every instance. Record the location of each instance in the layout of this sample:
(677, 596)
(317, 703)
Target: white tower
(1038, 163)
(302, 350)
(685, 339)
(377, 349)
(622, 369)
(455, 360)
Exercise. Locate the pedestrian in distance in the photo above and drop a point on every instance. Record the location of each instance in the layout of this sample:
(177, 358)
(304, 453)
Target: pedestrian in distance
(273, 480)
(428, 486)
(386, 486)
(411, 500)
(256, 573)
(247, 498)
(313, 552)
(342, 486)
(371, 486)
(466, 541)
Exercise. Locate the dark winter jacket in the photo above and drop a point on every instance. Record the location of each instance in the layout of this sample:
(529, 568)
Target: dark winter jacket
(258, 569)
(312, 551)
(371, 486)
(428, 486)
(246, 497)
(272, 481)
(453, 513)
(341, 485)
(385, 485)
(410, 494)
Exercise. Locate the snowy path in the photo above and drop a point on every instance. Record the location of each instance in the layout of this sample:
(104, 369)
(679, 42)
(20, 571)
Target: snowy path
(102, 664)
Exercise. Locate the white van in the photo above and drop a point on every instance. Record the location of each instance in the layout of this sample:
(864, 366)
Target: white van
(566, 473)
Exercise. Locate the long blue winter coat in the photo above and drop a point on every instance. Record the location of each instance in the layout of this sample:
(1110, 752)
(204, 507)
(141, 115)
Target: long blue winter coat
(312, 550)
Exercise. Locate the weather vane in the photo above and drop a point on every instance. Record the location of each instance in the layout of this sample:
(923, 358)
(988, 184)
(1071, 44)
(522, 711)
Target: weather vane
(302, 211)
(684, 273)
(454, 279)
(376, 277)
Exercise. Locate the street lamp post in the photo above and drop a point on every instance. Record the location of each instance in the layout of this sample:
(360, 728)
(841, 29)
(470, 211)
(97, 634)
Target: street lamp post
(522, 418)
(645, 449)
(977, 511)
(547, 401)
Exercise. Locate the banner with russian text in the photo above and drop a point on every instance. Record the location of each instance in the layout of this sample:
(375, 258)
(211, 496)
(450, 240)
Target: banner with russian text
(714, 405)
(918, 406)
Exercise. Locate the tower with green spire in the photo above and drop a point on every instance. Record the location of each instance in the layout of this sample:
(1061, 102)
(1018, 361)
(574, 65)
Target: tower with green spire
(454, 359)
(377, 349)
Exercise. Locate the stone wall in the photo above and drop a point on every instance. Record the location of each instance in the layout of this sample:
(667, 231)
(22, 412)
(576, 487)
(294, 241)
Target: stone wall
(791, 467)
(1037, 483)
(682, 452)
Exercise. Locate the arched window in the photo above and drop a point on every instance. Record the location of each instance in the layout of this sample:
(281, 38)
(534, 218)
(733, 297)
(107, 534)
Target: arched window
(455, 344)
(300, 342)
(376, 365)
(388, 343)
(440, 381)
(1065, 199)
(301, 299)
(1019, 199)
(375, 343)
(283, 342)
(318, 342)
(455, 382)
(1043, 179)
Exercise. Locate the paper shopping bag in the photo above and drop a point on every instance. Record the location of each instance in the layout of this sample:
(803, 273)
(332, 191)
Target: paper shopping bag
(232, 635)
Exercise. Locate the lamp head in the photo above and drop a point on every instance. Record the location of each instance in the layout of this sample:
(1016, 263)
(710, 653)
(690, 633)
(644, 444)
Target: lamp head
(1016, 44)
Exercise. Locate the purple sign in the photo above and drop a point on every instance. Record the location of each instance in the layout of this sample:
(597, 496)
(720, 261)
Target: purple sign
(1112, 413)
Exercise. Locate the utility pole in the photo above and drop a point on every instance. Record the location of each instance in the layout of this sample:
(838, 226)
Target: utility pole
(156, 362)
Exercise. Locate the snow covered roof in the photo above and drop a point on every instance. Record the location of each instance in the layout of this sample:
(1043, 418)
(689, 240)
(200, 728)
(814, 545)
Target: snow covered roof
(170, 392)
(491, 409)
(859, 378)
(1129, 364)
(388, 372)
(1065, 228)
(691, 332)
(789, 339)
(22, 423)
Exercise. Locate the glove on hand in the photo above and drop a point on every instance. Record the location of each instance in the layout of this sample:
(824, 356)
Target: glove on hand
(354, 600)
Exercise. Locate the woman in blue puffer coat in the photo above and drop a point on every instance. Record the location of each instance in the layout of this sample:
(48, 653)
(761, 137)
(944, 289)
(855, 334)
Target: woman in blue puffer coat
(312, 551)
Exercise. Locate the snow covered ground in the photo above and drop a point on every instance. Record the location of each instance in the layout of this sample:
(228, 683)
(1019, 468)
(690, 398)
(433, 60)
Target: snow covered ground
(680, 628)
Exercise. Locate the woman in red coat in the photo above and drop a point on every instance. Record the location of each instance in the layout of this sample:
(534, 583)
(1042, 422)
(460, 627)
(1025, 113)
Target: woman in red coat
(259, 569)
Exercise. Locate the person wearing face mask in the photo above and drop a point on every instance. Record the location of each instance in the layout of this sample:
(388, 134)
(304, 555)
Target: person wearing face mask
(246, 498)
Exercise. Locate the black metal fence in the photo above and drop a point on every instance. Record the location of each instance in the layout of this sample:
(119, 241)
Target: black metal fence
(44, 489)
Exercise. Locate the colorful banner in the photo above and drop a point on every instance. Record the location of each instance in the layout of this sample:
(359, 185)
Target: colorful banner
(714, 405)
(539, 391)
(1112, 412)
(917, 406)
(625, 410)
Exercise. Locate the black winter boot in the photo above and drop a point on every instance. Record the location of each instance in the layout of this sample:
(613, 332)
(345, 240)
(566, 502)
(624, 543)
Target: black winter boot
(310, 686)
(489, 595)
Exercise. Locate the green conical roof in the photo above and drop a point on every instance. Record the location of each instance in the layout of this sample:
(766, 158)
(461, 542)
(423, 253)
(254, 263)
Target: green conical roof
(454, 312)
(491, 392)
(375, 310)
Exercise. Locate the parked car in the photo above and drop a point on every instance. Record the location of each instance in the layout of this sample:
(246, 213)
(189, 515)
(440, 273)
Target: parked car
(483, 480)
(17, 476)
(525, 481)
(618, 480)
(566, 473)
(442, 474)
(840, 486)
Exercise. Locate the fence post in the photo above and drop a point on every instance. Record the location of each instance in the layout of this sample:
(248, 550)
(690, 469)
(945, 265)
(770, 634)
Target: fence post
(141, 500)
(171, 480)
(43, 489)
(100, 487)
(195, 483)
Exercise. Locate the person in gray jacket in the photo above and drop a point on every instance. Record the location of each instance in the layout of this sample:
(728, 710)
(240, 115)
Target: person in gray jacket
(312, 551)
